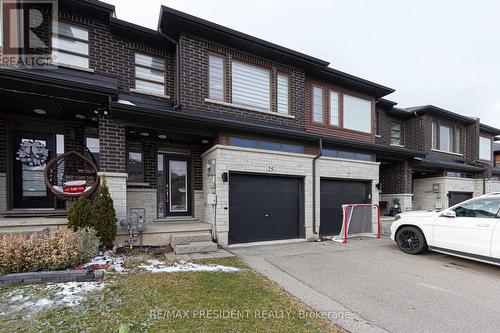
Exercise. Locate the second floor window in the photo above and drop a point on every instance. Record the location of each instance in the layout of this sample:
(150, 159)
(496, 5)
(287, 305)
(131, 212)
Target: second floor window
(149, 74)
(484, 148)
(446, 138)
(317, 104)
(396, 134)
(357, 114)
(334, 108)
(70, 44)
(251, 85)
(282, 93)
(216, 77)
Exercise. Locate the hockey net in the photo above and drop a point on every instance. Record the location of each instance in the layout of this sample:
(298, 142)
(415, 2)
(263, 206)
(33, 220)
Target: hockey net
(359, 220)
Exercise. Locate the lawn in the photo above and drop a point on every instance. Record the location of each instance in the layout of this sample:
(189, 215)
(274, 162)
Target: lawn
(141, 301)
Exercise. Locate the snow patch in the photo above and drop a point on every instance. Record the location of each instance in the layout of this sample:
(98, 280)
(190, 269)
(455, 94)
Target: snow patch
(34, 298)
(156, 266)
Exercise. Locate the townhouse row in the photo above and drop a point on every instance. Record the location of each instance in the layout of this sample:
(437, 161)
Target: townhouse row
(207, 128)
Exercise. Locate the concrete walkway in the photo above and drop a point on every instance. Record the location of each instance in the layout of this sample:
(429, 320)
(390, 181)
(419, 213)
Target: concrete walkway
(368, 285)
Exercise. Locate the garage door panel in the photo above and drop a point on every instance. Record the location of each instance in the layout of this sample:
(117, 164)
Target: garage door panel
(334, 194)
(263, 208)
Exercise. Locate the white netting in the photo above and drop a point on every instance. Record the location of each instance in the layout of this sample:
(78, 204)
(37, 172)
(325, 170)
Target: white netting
(359, 220)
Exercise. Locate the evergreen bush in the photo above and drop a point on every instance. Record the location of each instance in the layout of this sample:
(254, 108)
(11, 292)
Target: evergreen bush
(103, 217)
(79, 214)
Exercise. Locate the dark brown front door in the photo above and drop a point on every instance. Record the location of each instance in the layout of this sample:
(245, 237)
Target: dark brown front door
(28, 180)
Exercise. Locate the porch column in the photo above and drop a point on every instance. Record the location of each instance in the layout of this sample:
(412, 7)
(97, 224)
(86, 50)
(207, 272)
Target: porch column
(112, 160)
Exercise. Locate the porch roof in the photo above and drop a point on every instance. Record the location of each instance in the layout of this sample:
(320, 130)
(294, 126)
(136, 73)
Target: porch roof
(434, 164)
(155, 115)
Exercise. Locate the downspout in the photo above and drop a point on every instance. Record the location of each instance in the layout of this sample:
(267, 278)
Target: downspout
(177, 69)
(314, 184)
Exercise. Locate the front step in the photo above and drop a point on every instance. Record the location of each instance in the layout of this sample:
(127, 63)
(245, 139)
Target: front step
(195, 247)
(183, 238)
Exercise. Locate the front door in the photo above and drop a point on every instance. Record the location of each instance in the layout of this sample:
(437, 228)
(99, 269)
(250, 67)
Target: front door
(30, 190)
(471, 230)
(174, 180)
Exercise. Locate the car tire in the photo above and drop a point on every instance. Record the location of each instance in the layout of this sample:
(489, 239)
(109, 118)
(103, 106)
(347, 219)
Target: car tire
(411, 240)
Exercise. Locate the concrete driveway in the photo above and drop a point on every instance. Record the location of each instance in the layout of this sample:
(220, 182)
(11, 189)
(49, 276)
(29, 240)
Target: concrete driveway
(369, 285)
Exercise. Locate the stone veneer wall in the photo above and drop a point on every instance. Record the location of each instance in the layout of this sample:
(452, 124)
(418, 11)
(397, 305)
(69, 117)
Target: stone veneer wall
(258, 161)
(424, 198)
(143, 198)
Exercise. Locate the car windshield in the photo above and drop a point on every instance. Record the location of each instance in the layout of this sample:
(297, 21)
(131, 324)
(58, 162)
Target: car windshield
(480, 208)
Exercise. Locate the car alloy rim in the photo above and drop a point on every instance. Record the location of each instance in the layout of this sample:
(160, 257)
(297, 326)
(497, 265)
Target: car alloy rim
(409, 240)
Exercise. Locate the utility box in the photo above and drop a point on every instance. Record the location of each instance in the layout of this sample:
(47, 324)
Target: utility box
(212, 199)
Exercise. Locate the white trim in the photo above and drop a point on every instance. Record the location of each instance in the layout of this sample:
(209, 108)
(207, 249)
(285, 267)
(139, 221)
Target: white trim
(396, 145)
(112, 174)
(213, 101)
(144, 92)
(78, 68)
(405, 194)
(446, 152)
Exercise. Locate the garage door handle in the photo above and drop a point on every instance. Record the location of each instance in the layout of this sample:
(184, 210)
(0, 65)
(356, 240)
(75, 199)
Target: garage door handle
(483, 225)
(267, 215)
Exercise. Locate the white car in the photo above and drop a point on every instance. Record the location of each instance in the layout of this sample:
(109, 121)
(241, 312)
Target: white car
(470, 230)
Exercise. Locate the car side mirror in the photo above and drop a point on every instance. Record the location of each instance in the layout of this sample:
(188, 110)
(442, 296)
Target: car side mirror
(449, 214)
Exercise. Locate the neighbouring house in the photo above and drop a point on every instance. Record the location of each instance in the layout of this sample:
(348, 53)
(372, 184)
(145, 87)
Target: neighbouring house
(458, 162)
(209, 129)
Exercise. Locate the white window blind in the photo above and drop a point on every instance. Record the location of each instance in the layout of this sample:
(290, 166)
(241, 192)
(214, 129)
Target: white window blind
(70, 44)
(250, 85)
(357, 114)
(334, 108)
(149, 74)
(216, 77)
(484, 148)
(318, 104)
(282, 94)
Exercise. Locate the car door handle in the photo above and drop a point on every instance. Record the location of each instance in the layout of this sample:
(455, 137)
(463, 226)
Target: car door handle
(483, 225)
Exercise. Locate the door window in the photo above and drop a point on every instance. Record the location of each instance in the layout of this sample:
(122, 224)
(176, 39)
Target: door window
(178, 186)
(480, 208)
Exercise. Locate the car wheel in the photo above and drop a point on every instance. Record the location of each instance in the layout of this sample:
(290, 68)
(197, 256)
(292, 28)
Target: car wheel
(411, 240)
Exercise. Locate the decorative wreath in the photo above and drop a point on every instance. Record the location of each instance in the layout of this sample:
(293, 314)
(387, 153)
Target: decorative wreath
(33, 153)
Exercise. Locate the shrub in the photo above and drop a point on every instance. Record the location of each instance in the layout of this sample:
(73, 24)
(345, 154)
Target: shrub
(55, 250)
(79, 214)
(103, 217)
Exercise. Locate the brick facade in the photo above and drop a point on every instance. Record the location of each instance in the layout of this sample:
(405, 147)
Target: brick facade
(194, 82)
(395, 177)
(112, 144)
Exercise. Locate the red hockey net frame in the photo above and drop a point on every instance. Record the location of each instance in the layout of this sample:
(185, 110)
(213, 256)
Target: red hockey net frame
(346, 221)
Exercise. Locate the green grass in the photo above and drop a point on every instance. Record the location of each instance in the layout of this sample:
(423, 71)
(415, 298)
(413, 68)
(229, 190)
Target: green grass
(146, 302)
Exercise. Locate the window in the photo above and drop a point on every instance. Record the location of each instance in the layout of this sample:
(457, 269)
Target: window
(446, 138)
(334, 108)
(347, 154)
(317, 104)
(480, 208)
(357, 114)
(250, 85)
(135, 164)
(70, 44)
(396, 134)
(92, 144)
(149, 74)
(282, 94)
(484, 148)
(264, 144)
(458, 174)
(434, 135)
(216, 77)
